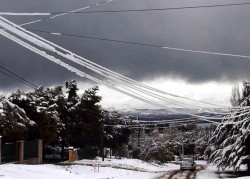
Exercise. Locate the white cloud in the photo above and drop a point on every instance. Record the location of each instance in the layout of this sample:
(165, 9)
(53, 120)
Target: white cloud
(213, 92)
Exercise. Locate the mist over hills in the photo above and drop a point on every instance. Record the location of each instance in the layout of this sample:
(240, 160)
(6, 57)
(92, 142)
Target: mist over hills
(178, 113)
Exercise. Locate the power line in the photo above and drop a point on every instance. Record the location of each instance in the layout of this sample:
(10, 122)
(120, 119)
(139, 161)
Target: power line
(94, 38)
(18, 77)
(24, 14)
(103, 70)
(80, 73)
(72, 57)
(53, 59)
(142, 44)
(39, 41)
(159, 9)
(166, 120)
(159, 123)
(65, 13)
(150, 45)
(111, 85)
(115, 11)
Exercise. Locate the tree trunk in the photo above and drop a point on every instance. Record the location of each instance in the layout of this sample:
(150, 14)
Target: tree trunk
(63, 146)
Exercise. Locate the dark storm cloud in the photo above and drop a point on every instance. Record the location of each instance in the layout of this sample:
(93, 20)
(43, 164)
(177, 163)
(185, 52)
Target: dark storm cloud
(213, 29)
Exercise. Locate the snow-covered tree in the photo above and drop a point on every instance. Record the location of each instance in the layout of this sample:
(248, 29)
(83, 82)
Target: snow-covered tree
(230, 144)
(85, 119)
(236, 97)
(162, 145)
(72, 89)
(201, 140)
(40, 106)
(116, 132)
(13, 121)
(157, 148)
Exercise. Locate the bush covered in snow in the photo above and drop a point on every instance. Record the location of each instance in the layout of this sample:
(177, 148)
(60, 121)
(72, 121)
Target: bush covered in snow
(230, 144)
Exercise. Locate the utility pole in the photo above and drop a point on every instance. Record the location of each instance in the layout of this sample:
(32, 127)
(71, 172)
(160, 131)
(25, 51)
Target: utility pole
(180, 152)
(102, 140)
(143, 135)
(139, 130)
(182, 146)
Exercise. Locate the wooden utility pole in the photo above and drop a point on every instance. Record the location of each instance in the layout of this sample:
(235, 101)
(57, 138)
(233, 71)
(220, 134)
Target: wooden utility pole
(143, 129)
(102, 140)
(182, 146)
(139, 130)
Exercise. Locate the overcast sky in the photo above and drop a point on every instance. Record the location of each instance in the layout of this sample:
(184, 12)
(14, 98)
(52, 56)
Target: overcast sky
(199, 76)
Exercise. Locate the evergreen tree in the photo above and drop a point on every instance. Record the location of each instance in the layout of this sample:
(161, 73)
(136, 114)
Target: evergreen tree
(59, 120)
(40, 106)
(230, 144)
(13, 121)
(85, 119)
(72, 93)
(63, 113)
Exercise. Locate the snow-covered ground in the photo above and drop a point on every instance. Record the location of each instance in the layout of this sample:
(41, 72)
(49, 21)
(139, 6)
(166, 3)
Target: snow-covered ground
(124, 169)
(110, 168)
(208, 172)
(211, 172)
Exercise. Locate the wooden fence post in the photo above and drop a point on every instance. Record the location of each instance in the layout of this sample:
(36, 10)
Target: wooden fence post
(71, 155)
(20, 150)
(40, 151)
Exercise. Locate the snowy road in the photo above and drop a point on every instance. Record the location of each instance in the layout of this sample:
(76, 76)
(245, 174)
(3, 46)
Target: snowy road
(186, 174)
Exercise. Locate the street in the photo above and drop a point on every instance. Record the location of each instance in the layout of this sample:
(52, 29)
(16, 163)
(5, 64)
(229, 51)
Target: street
(183, 174)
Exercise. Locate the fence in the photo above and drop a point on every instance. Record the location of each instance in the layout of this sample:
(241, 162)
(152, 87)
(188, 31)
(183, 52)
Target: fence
(30, 149)
(10, 152)
(26, 152)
